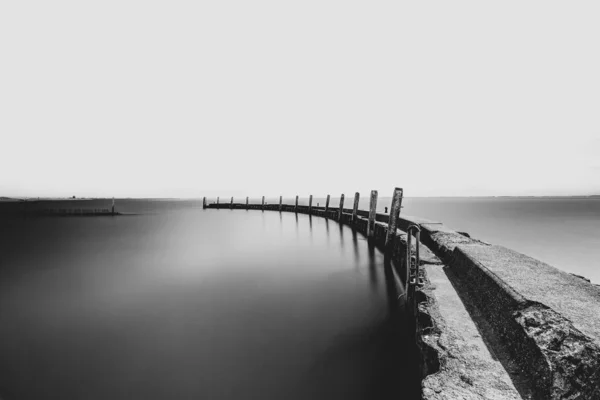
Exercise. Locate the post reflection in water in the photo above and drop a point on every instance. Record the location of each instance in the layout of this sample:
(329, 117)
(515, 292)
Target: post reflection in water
(327, 230)
(310, 228)
(372, 264)
(355, 246)
(382, 340)
(393, 296)
(296, 214)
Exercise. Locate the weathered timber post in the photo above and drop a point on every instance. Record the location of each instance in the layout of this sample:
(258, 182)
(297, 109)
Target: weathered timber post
(355, 209)
(280, 202)
(231, 204)
(296, 206)
(263, 203)
(113, 207)
(372, 213)
(204, 203)
(326, 206)
(246, 202)
(217, 200)
(310, 205)
(394, 214)
(341, 207)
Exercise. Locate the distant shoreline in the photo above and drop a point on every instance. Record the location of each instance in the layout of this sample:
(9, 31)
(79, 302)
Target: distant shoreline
(35, 199)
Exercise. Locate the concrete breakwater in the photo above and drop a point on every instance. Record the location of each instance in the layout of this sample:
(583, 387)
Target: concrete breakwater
(76, 212)
(489, 323)
(39, 208)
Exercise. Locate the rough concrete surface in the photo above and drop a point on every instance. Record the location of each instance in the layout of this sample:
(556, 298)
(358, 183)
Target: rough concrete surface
(468, 369)
(573, 297)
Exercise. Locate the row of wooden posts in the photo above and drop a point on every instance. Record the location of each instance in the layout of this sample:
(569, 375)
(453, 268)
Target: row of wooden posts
(411, 272)
(395, 207)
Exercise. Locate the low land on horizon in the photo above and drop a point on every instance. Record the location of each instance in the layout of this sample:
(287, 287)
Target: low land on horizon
(9, 199)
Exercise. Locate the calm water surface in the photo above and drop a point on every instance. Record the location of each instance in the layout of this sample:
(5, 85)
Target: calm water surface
(188, 303)
(561, 231)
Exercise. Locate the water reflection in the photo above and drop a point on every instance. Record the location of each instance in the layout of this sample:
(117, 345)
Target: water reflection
(355, 247)
(372, 264)
(393, 295)
(179, 305)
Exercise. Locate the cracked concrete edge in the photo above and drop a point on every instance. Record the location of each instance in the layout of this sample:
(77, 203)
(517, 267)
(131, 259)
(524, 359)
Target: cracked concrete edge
(433, 359)
(445, 375)
(563, 362)
(570, 363)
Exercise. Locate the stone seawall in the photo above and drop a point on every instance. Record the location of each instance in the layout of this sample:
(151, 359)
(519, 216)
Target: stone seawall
(547, 321)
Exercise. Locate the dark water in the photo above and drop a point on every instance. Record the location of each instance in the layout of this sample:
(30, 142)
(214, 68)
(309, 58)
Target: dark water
(186, 303)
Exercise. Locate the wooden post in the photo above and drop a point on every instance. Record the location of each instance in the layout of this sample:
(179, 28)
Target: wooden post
(246, 202)
(372, 213)
(394, 214)
(296, 207)
(263, 203)
(310, 205)
(326, 206)
(355, 209)
(231, 204)
(217, 200)
(204, 203)
(280, 202)
(341, 207)
(113, 207)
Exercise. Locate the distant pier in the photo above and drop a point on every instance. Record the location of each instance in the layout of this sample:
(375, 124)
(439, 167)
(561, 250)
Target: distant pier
(95, 212)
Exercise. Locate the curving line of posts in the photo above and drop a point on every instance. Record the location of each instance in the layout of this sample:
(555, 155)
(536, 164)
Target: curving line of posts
(412, 277)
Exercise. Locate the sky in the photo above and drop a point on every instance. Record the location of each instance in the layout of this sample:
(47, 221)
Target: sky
(203, 98)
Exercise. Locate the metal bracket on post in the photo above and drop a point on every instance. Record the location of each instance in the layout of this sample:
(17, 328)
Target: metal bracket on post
(412, 266)
(413, 271)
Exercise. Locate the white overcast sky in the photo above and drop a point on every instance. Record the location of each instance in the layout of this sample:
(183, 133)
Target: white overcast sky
(194, 98)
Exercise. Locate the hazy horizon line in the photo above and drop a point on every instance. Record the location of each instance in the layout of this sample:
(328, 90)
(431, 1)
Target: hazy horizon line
(276, 196)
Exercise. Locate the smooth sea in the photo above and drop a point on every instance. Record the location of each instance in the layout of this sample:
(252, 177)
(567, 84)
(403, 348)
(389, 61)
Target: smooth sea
(178, 302)
(184, 303)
